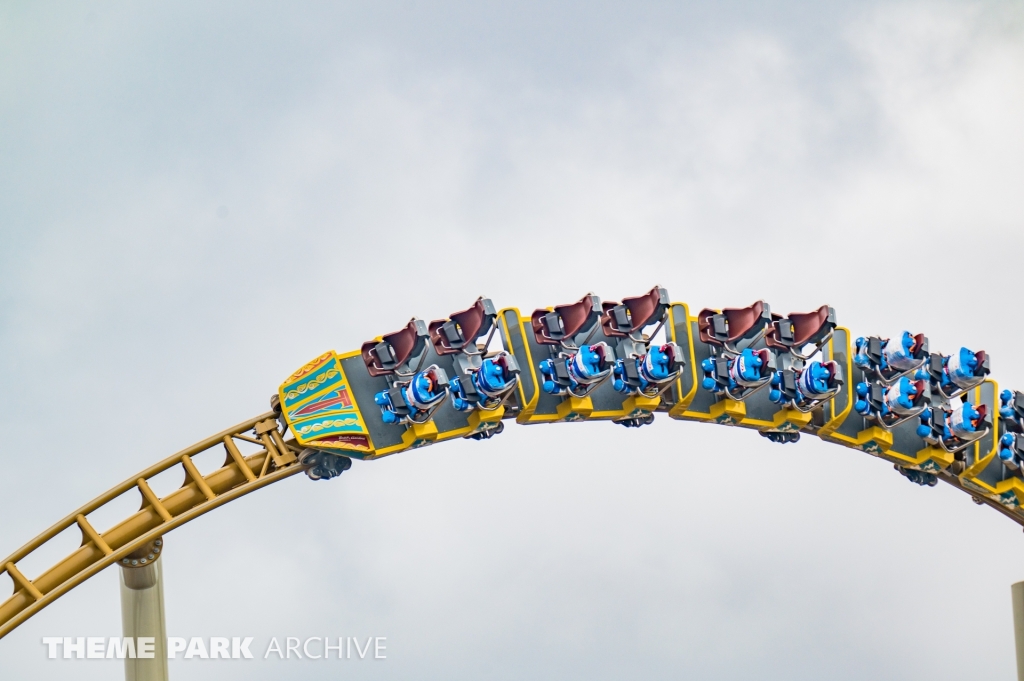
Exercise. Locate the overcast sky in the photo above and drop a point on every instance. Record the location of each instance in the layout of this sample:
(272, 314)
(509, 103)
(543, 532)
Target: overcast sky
(196, 198)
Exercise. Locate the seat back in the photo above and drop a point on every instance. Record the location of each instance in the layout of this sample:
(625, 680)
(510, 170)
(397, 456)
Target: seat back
(394, 349)
(983, 363)
(462, 329)
(733, 324)
(921, 390)
(565, 321)
(634, 314)
(801, 328)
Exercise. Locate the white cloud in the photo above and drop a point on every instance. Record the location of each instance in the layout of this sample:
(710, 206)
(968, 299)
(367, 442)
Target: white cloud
(379, 175)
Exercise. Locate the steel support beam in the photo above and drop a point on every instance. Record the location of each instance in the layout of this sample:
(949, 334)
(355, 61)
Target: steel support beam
(142, 615)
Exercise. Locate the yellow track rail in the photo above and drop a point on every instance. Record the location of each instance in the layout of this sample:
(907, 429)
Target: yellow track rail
(239, 475)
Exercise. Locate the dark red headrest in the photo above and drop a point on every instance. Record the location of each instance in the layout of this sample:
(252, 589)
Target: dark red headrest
(634, 314)
(565, 321)
(394, 349)
(462, 329)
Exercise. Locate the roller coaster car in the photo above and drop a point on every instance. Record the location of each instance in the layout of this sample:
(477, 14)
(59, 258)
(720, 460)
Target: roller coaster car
(736, 372)
(956, 428)
(796, 383)
(798, 330)
(482, 381)
(393, 352)
(575, 368)
(642, 368)
(953, 375)
(889, 406)
(732, 326)
(889, 360)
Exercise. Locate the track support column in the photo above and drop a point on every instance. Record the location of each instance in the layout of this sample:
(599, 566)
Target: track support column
(1017, 592)
(142, 611)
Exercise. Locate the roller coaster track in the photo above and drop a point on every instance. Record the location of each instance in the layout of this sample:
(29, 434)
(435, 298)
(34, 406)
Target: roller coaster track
(328, 411)
(276, 460)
